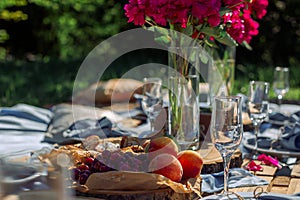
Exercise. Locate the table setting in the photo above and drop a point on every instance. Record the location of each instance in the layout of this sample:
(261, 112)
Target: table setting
(227, 110)
(154, 147)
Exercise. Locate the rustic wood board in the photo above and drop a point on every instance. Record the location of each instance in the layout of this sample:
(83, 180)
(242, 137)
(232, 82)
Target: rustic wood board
(296, 171)
(267, 171)
(278, 189)
(212, 160)
(293, 187)
(282, 181)
(167, 193)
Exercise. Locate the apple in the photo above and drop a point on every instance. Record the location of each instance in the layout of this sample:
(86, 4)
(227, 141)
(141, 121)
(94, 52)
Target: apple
(161, 145)
(166, 165)
(191, 163)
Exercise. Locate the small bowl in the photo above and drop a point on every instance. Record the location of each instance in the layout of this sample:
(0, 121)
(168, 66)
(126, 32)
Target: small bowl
(17, 172)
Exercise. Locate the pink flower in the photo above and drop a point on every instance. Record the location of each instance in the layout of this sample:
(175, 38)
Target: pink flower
(258, 7)
(236, 27)
(241, 27)
(207, 9)
(252, 166)
(157, 10)
(232, 2)
(237, 20)
(268, 160)
(180, 12)
(251, 26)
(164, 11)
(135, 11)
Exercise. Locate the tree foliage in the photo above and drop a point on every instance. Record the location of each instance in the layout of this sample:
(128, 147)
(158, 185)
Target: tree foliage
(8, 15)
(65, 29)
(69, 29)
(278, 42)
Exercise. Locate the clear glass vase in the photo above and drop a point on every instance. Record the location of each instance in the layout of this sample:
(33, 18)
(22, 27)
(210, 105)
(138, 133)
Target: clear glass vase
(221, 72)
(183, 112)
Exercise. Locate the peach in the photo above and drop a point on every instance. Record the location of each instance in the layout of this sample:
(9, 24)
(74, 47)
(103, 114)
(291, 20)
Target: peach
(166, 165)
(161, 145)
(191, 163)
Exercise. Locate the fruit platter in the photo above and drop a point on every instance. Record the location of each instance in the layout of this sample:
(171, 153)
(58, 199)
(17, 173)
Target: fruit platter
(122, 168)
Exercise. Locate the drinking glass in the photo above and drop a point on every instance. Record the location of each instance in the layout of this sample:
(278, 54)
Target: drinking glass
(281, 82)
(258, 105)
(226, 130)
(152, 99)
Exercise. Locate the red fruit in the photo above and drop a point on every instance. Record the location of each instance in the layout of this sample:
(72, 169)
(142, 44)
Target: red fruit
(162, 145)
(83, 167)
(89, 161)
(191, 163)
(98, 166)
(75, 174)
(83, 178)
(166, 165)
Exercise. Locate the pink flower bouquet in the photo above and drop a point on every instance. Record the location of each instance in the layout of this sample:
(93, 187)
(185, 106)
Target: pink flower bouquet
(230, 22)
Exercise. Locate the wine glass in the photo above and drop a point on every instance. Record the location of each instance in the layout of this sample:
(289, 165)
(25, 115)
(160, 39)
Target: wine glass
(152, 99)
(258, 106)
(281, 83)
(226, 131)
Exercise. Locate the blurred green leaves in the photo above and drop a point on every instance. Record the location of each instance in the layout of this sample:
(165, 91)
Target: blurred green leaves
(7, 15)
(64, 29)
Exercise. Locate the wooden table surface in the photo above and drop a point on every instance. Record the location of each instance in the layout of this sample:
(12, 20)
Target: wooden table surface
(277, 183)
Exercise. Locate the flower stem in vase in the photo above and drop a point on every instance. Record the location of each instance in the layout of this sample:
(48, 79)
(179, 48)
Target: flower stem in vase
(184, 112)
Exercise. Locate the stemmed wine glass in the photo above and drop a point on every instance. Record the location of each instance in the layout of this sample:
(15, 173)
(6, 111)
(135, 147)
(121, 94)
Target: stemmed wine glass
(226, 131)
(281, 82)
(258, 106)
(152, 99)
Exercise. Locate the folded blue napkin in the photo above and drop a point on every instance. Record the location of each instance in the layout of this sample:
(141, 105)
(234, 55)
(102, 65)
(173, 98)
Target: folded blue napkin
(28, 112)
(238, 177)
(276, 116)
(82, 129)
(295, 117)
(23, 117)
(290, 138)
(280, 117)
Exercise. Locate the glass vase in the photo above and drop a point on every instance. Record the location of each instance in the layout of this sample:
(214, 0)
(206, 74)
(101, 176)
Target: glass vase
(183, 112)
(221, 72)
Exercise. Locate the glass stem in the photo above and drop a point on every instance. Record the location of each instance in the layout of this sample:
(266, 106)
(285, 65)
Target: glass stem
(226, 163)
(256, 132)
(152, 124)
(279, 102)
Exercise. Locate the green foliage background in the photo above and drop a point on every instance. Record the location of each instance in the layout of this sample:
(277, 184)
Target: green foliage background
(43, 42)
(66, 29)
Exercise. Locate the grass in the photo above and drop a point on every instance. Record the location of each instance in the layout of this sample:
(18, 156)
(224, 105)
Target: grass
(246, 73)
(50, 82)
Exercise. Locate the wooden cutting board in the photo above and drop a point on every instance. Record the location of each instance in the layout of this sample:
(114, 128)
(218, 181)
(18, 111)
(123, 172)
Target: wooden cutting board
(213, 161)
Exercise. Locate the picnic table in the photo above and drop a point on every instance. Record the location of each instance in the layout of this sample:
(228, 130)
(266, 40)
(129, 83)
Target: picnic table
(279, 182)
